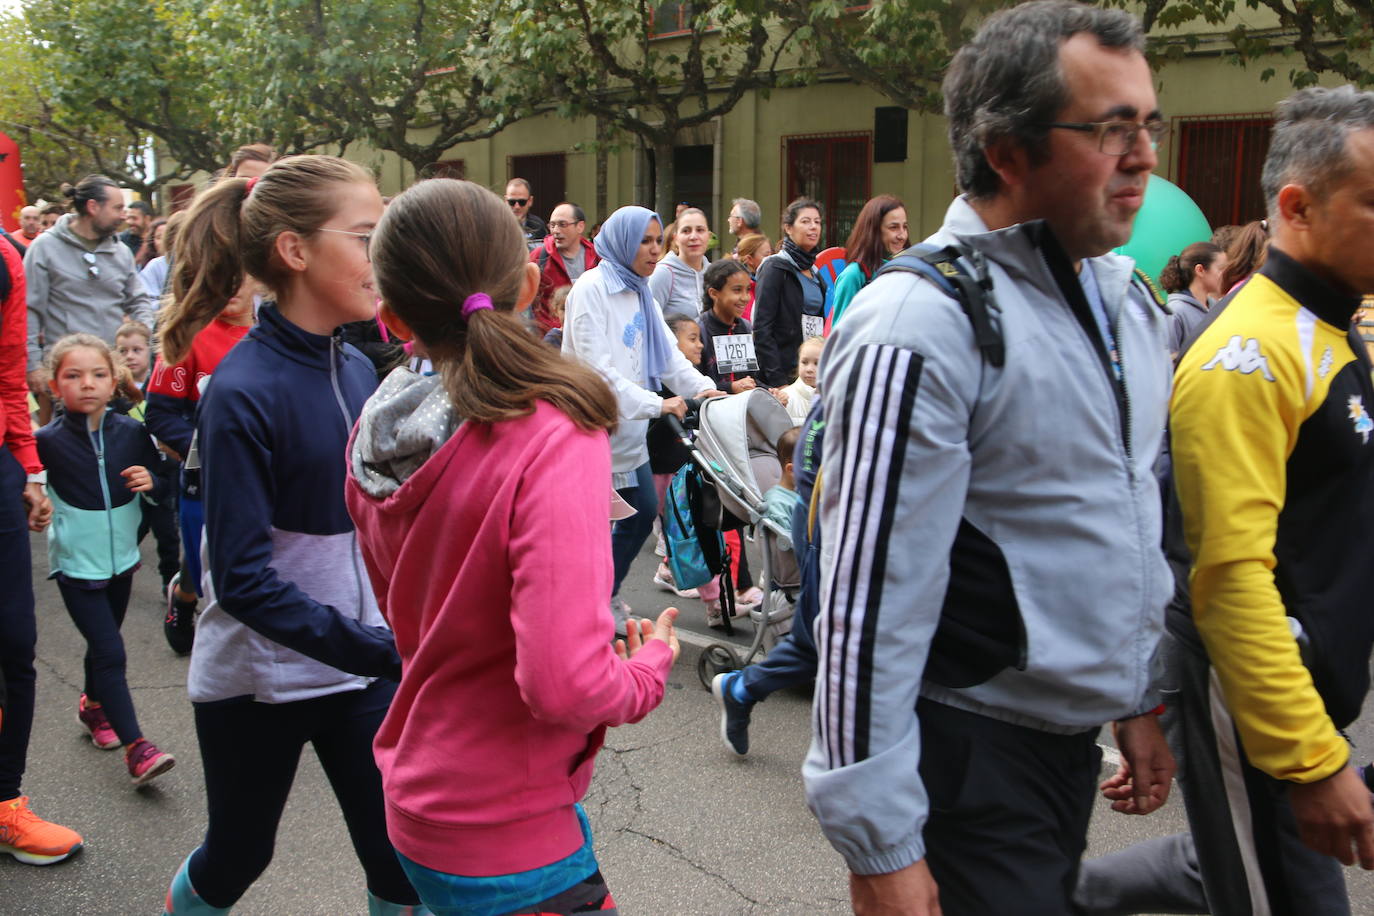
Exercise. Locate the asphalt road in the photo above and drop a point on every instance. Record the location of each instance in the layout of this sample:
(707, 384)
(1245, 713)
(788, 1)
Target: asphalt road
(682, 827)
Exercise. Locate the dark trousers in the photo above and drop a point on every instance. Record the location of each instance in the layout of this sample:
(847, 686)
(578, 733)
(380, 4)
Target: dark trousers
(18, 629)
(164, 522)
(99, 613)
(1244, 847)
(1009, 810)
(250, 752)
(629, 534)
(791, 663)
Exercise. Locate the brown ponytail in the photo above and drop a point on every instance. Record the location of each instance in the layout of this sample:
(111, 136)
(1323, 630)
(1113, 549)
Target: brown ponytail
(229, 232)
(438, 243)
(1178, 274)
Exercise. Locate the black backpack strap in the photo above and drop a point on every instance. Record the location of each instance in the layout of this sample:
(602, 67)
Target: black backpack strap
(943, 267)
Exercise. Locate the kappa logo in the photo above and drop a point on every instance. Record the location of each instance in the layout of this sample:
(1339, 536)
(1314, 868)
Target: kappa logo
(1324, 367)
(1244, 358)
(1360, 417)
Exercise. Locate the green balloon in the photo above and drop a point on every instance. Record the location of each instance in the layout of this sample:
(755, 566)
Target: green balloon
(1167, 223)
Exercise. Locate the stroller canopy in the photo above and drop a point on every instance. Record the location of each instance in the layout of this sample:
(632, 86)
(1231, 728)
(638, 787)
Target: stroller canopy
(739, 434)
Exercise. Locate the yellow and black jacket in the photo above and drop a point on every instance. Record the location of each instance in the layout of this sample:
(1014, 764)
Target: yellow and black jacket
(1273, 450)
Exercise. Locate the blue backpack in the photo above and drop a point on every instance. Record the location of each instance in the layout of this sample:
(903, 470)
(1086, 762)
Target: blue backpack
(691, 561)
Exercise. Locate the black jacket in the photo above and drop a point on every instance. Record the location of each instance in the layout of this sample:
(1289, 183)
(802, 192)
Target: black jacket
(778, 302)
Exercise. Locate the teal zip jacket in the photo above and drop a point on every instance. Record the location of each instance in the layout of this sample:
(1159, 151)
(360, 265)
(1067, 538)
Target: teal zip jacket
(94, 533)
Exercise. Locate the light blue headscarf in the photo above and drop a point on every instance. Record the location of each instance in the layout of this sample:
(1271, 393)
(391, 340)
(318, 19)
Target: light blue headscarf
(617, 244)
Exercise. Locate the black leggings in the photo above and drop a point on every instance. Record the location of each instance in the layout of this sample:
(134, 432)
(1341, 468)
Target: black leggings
(99, 613)
(250, 752)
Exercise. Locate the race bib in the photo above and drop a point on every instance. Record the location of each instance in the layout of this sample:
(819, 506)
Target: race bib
(812, 326)
(735, 353)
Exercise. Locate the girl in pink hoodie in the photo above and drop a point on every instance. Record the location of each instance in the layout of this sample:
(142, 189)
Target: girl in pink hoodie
(481, 503)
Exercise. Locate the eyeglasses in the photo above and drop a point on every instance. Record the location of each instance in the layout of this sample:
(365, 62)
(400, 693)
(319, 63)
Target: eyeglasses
(517, 201)
(1117, 138)
(89, 258)
(563, 223)
(364, 237)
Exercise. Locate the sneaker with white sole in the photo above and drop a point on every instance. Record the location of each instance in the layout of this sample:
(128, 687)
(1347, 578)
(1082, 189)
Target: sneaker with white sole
(92, 718)
(32, 840)
(146, 762)
(664, 580)
(621, 612)
(734, 715)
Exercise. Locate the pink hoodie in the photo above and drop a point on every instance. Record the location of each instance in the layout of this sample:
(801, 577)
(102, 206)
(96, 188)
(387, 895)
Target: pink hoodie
(492, 563)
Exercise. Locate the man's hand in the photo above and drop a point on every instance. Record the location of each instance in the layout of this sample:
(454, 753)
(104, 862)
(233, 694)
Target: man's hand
(711, 393)
(38, 381)
(1333, 813)
(38, 505)
(741, 385)
(1141, 784)
(910, 891)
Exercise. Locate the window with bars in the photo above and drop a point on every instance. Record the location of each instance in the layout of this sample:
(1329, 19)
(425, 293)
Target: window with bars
(1219, 163)
(836, 171)
(547, 174)
(670, 19)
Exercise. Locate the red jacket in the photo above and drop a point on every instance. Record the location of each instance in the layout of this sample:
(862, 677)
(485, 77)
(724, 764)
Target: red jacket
(14, 388)
(552, 275)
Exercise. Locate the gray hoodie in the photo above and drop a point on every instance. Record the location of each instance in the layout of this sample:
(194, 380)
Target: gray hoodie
(677, 288)
(73, 289)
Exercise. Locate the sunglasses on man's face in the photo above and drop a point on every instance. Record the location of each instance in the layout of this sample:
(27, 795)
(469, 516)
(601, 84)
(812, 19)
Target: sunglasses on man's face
(90, 263)
(517, 201)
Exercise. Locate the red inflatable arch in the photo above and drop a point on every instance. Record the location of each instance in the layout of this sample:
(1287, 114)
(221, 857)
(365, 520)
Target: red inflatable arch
(12, 197)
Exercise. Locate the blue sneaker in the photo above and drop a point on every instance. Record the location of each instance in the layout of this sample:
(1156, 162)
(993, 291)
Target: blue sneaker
(734, 715)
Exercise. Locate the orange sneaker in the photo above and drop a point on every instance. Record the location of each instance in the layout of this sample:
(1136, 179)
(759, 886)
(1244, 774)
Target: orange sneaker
(32, 840)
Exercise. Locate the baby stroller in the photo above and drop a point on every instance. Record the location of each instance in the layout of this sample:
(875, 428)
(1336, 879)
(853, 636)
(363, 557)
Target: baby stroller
(735, 452)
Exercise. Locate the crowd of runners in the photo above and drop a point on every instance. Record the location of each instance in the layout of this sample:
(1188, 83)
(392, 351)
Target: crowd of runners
(399, 456)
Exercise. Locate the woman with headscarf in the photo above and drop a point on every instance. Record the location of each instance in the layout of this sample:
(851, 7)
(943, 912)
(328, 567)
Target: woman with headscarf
(613, 325)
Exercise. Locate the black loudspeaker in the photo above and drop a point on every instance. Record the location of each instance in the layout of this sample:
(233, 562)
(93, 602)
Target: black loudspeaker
(889, 134)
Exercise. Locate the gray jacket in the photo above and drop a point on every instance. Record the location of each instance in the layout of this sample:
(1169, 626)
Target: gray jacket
(1021, 498)
(1187, 314)
(71, 293)
(676, 287)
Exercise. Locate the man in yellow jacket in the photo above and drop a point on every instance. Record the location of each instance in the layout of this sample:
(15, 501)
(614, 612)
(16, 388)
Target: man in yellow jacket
(1273, 452)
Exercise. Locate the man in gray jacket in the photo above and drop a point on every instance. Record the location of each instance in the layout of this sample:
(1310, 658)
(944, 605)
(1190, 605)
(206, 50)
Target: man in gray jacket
(81, 277)
(992, 583)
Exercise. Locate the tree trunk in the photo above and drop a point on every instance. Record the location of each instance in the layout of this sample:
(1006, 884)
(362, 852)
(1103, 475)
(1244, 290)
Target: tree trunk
(663, 179)
(601, 157)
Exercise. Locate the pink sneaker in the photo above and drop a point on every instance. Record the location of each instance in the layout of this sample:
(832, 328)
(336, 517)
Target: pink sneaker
(145, 761)
(92, 718)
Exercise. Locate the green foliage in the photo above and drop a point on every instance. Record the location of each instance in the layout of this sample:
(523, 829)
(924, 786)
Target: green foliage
(601, 58)
(1318, 36)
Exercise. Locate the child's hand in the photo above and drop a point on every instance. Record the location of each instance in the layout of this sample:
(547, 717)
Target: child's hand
(137, 478)
(780, 394)
(639, 631)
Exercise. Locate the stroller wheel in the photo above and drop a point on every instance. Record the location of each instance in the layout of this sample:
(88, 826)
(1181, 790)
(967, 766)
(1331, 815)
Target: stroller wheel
(718, 658)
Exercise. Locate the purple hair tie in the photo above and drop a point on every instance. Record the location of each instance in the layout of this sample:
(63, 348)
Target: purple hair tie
(475, 302)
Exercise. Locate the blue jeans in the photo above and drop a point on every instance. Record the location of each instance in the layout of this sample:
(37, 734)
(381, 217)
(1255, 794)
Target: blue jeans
(629, 534)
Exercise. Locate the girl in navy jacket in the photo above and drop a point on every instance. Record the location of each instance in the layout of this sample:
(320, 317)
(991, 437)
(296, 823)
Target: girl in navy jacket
(291, 647)
(98, 463)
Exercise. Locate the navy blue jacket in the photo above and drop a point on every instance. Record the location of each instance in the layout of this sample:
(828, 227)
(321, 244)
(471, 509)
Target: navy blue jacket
(94, 535)
(292, 614)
